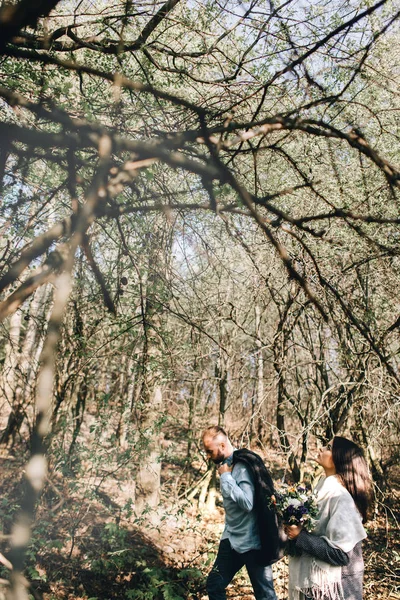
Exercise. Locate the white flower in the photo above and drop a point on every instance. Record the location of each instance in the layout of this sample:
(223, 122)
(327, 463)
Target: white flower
(294, 502)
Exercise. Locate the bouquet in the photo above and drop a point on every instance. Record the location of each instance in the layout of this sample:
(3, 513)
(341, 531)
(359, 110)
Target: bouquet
(295, 505)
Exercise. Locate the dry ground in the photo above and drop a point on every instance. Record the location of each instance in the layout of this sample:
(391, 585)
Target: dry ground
(89, 546)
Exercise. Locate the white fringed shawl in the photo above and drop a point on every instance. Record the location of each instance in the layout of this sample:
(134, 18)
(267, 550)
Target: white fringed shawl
(340, 524)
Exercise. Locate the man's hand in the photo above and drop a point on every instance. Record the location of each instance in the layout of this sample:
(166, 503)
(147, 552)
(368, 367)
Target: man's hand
(292, 531)
(224, 469)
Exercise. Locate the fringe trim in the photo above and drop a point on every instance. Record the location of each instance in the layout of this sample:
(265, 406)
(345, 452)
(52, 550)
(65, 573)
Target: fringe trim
(319, 584)
(326, 592)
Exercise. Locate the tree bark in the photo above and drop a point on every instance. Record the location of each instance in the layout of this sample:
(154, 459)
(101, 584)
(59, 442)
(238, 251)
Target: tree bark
(11, 415)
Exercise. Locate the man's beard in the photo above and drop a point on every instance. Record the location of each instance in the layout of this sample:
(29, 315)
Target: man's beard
(219, 459)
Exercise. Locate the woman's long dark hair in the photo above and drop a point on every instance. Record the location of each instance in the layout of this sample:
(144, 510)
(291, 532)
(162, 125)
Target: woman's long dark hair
(352, 469)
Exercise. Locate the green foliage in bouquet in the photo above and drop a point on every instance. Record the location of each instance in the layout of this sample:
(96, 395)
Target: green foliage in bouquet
(295, 505)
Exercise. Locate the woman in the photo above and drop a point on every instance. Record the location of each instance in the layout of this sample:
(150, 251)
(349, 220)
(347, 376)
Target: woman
(329, 563)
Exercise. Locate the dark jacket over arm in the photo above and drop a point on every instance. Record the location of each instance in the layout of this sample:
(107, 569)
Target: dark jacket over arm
(318, 547)
(270, 533)
(352, 562)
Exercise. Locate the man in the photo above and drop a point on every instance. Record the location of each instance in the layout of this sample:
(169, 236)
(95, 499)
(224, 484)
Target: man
(240, 542)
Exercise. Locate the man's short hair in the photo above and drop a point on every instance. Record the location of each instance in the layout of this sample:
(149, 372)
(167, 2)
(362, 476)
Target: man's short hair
(213, 432)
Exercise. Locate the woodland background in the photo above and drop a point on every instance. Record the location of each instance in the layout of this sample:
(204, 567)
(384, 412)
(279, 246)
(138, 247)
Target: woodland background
(199, 225)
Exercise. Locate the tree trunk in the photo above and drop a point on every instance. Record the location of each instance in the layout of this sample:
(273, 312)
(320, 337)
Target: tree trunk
(192, 418)
(280, 351)
(260, 379)
(148, 478)
(127, 405)
(11, 414)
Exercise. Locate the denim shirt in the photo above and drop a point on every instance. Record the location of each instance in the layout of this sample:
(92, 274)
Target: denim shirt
(237, 489)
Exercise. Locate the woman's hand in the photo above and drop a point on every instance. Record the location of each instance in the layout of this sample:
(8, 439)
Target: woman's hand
(292, 531)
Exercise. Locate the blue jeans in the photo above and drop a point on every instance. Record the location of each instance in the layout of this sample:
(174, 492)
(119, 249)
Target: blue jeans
(228, 563)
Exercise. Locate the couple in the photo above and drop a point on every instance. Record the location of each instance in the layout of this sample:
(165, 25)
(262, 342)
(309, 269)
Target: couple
(328, 564)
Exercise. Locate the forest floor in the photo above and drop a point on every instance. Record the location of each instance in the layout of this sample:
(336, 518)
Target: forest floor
(88, 545)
